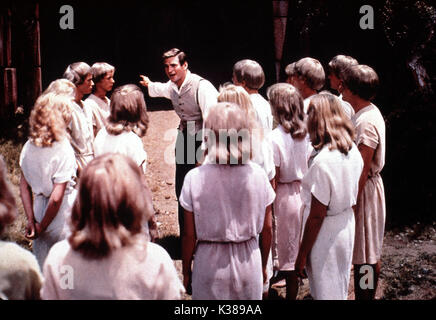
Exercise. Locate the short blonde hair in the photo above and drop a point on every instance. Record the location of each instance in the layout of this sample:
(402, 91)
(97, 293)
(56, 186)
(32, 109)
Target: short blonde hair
(112, 206)
(8, 209)
(339, 64)
(328, 124)
(49, 119)
(362, 80)
(311, 71)
(250, 72)
(99, 70)
(288, 109)
(227, 120)
(77, 72)
(62, 87)
(290, 70)
(128, 111)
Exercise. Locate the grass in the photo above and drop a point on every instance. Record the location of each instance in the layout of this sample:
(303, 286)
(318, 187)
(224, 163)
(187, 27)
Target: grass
(10, 150)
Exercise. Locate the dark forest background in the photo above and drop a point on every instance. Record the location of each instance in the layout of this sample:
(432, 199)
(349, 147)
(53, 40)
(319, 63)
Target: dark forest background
(131, 35)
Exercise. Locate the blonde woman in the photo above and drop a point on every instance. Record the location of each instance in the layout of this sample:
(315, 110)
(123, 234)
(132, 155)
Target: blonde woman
(126, 125)
(291, 149)
(48, 169)
(107, 251)
(262, 152)
(62, 87)
(329, 192)
(227, 203)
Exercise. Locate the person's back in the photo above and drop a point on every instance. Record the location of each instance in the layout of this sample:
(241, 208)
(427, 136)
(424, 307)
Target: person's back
(227, 201)
(141, 271)
(108, 255)
(126, 125)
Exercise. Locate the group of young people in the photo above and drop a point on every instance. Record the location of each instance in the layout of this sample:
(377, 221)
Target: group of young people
(292, 191)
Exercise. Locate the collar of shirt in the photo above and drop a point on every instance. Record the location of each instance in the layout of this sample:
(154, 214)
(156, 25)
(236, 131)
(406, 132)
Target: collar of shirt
(174, 86)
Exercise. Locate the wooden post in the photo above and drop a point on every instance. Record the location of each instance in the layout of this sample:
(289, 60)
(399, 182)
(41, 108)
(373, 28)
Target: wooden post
(8, 75)
(280, 16)
(36, 57)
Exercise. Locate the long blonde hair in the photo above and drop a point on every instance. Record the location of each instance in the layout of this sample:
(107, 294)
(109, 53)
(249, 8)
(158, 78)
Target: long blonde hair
(228, 134)
(239, 96)
(128, 111)
(49, 119)
(328, 124)
(111, 207)
(288, 109)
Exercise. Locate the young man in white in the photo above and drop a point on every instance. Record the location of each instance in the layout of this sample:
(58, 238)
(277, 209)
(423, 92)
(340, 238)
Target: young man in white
(97, 105)
(191, 96)
(308, 77)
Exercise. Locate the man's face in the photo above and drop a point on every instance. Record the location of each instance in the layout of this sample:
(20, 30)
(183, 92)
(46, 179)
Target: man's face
(86, 86)
(334, 81)
(347, 95)
(175, 72)
(107, 82)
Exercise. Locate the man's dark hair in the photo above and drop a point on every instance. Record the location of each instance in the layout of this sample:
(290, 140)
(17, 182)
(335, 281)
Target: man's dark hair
(175, 53)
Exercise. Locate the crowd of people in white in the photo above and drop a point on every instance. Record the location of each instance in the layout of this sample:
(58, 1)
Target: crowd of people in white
(300, 195)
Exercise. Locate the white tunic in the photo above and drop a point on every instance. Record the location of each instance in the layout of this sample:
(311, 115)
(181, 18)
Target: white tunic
(97, 111)
(263, 112)
(348, 109)
(126, 143)
(42, 168)
(228, 203)
(371, 207)
(82, 136)
(333, 179)
(142, 271)
(291, 157)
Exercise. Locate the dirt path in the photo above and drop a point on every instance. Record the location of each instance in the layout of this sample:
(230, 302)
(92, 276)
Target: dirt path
(409, 255)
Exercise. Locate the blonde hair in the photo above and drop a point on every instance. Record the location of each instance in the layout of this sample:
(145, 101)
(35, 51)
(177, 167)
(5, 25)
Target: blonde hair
(8, 210)
(112, 205)
(311, 71)
(362, 80)
(77, 72)
(238, 95)
(99, 70)
(339, 64)
(250, 72)
(288, 109)
(62, 87)
(49, 119)
(328, 124)
(290, 70)
(128, 111)
(229, 121)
